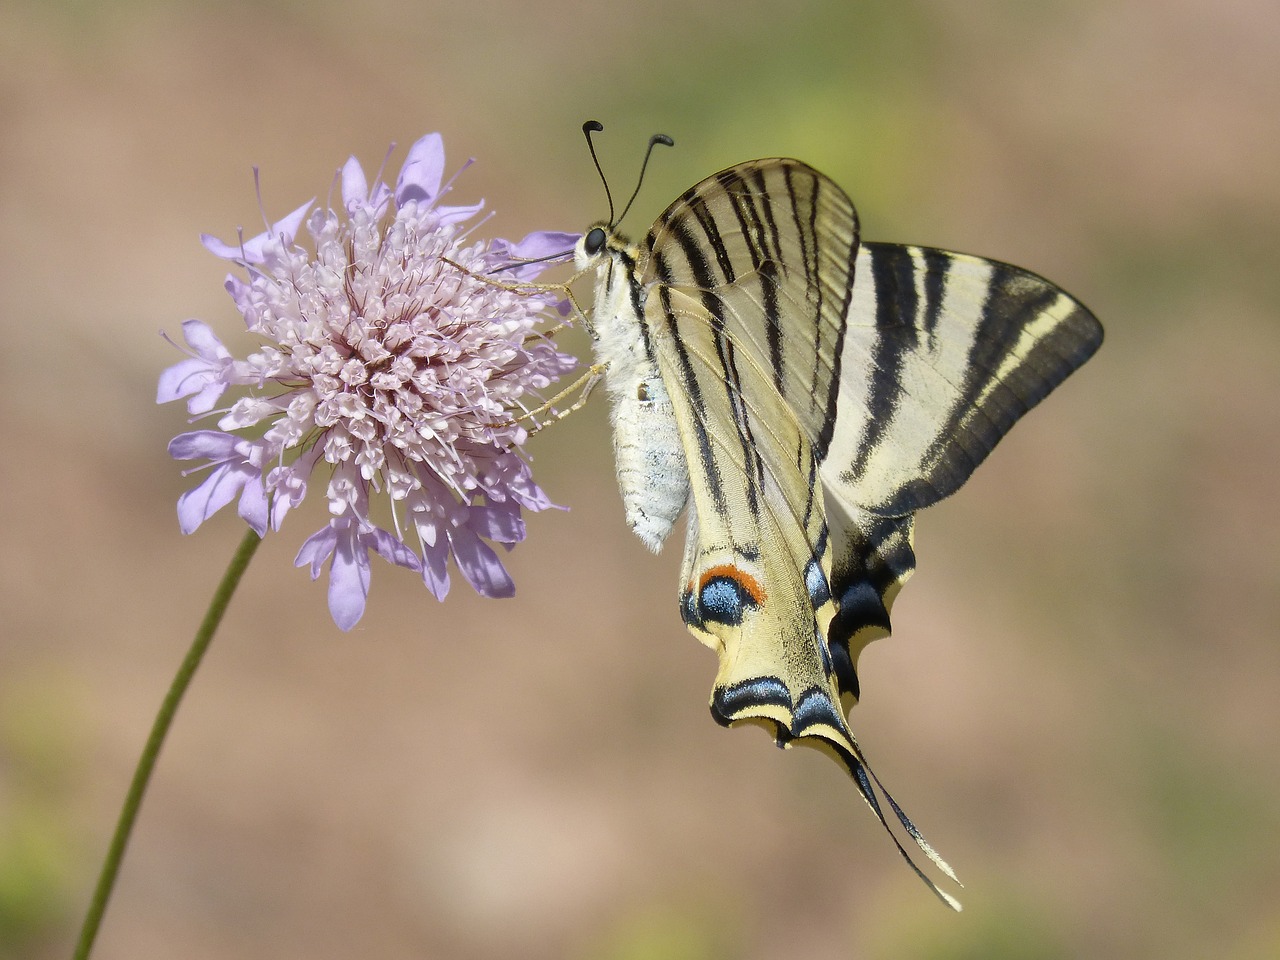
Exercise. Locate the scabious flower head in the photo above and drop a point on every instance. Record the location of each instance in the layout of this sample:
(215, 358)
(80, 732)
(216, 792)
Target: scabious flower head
(388, 369)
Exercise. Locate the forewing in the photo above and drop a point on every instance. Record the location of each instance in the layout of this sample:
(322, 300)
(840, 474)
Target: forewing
(775, 241)
(942, 353)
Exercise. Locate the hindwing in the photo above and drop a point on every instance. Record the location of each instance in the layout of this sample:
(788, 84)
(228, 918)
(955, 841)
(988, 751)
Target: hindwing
(757, 566)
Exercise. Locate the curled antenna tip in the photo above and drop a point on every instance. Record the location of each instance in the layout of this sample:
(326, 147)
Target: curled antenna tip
(588, 128)
(657, 138)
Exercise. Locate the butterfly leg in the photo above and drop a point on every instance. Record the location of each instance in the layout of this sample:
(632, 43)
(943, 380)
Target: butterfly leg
(585, 383)
(528, 287)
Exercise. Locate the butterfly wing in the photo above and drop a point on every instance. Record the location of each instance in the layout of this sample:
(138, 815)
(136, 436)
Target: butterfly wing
(940, 355)
(748, 278)
(824, 392)
(757, 562)
(772, 246)
(776, 242)
(904, 366)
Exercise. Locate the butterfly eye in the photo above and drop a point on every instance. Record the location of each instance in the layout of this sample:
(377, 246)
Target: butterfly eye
(593, 242)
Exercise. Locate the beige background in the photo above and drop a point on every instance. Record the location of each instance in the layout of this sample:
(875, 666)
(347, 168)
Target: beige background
(1080, 702)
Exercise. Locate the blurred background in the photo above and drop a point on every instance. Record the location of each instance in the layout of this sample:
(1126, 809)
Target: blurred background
(1080, 703)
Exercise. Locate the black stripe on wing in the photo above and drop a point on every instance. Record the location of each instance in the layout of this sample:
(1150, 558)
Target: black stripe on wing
(1019, 337)
(874, 560)
(730, 381)
(691, 384)
(893, 273)
(785, 237)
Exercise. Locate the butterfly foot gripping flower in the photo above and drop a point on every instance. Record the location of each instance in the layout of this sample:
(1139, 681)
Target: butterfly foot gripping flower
(389, 370)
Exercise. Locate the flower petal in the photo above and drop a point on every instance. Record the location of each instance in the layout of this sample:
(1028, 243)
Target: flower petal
(316, 549)
(252, 250)
(422, 171)
(194, 378)
(546, 243)
(242, 296)
(540, 245)
(201, 338)
(203, 444)
(201, 376)
(480, 565)
(392, 549)
(355, 188)
(435, 567)
(253, 505)
(224, 482)
(497, 521)
(448, 215)
(348, 575)
(288, 485)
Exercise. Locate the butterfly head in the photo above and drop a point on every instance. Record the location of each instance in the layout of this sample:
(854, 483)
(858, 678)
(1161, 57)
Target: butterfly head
(601, 244)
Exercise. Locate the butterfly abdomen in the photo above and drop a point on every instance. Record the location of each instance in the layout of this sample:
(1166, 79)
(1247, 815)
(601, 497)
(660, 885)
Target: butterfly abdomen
(652, 472)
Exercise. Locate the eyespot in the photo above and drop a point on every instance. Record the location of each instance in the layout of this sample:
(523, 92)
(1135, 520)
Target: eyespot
(642, 391)
(593, 242)
(725, 594)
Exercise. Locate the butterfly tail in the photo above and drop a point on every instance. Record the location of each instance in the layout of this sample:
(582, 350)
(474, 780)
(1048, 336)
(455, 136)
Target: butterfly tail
(862, 774)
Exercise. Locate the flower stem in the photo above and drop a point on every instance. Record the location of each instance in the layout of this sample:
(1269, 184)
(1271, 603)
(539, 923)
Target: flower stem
(159, 730)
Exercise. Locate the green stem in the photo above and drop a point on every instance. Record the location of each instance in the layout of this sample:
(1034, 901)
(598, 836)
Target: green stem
(159, 730)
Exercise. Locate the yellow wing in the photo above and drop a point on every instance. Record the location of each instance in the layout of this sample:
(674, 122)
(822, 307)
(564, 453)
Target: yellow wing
(903, 366)
(824, 391)
(757, 560)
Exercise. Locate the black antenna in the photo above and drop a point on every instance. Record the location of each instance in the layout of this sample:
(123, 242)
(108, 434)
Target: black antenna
(588, 128)
(657, 138)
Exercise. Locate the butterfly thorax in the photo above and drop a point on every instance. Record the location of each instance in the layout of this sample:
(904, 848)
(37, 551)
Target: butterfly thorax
(617, 326)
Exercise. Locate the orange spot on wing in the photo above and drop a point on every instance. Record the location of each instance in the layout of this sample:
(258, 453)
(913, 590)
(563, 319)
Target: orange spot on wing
(749, 584)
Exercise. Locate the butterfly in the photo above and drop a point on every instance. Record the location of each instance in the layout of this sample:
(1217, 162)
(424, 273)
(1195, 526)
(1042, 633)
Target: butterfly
(801, 394)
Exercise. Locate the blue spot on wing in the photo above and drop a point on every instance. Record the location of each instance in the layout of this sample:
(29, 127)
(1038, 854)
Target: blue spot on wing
(722, 600)
(815, 582)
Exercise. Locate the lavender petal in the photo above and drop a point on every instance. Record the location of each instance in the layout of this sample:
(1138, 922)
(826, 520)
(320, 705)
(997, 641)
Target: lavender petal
(422, 171)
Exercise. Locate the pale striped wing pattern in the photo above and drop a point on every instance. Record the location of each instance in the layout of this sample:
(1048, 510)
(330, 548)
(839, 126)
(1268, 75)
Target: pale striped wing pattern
(823, 392)
(757, 563)
(941, 354)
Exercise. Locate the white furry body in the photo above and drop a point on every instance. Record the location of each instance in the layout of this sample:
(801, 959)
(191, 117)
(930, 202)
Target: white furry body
(653, 474)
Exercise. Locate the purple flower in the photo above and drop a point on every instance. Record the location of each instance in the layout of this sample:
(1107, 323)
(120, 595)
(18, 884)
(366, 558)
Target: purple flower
(387, 359)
